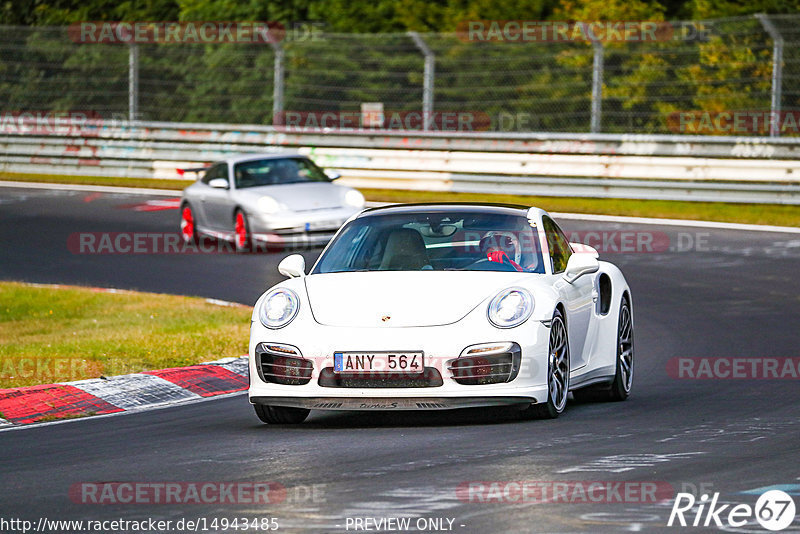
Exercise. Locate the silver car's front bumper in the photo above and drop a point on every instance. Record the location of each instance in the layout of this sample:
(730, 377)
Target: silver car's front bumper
(300, 229)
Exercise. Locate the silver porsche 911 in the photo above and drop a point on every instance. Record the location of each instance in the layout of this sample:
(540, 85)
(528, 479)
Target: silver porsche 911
(266, 200)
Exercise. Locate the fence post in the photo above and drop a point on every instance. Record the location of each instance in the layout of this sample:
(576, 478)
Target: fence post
(277, 86)
(777, 73)
(597, 86)
(428, 77)
(133, 82)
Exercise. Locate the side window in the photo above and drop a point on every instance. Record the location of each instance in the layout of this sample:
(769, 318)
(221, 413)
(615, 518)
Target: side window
(560, 250)
(216, 171)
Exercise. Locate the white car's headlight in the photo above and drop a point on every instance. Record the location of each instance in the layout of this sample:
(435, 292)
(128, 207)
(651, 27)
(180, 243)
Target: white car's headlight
(268, 205)
(354, 198)
(510, 307)
(279, 307)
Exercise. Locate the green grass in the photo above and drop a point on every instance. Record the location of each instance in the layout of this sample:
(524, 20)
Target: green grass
(64, 334)
(96, 180)
(774, 214)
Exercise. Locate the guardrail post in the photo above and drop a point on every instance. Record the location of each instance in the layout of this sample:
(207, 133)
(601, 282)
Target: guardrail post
(277, 85)
(428, 77)
(133, 82)
(597, 86)
(777, 73)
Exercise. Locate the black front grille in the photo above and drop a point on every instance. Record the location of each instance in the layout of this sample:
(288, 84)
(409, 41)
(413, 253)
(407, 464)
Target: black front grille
(482, 369)
(277, 364)
(429, 378)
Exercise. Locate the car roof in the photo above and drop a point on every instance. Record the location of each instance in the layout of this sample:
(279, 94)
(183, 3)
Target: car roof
(265, 155)
(444, 207)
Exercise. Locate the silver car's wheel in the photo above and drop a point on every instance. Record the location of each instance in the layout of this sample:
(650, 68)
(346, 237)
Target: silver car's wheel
(188, 224)
(241, 230)
(557, 372)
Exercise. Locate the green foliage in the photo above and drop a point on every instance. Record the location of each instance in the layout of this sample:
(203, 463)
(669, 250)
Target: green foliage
(519, 86)
(358, 16)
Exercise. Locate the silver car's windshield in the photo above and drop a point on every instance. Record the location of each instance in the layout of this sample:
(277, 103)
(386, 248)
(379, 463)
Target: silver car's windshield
(276, 171)
(437, 241)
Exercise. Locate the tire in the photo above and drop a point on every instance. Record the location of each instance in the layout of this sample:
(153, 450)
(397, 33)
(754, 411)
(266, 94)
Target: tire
(280, 415)
(557, 373)
(623, 378)
(188, 225)
(241, 232)
(620, 387)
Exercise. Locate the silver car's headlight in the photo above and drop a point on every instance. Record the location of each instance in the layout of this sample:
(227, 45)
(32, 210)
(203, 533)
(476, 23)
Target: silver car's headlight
(511, 307)
(354, 198)
(268, 205)
(279, 307)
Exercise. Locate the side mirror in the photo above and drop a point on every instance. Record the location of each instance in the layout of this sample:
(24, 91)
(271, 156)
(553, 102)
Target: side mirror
(579, 265)
(218, 183)
(333, 175)
(293, 266)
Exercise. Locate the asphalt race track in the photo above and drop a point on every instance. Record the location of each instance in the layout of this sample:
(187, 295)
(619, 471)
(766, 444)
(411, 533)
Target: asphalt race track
(703, 293)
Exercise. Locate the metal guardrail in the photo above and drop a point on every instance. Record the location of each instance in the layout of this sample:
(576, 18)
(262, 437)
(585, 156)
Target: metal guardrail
(599, 165)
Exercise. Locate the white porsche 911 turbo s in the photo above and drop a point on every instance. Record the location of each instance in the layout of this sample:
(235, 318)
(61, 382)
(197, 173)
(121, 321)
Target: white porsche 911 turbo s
(442, 306)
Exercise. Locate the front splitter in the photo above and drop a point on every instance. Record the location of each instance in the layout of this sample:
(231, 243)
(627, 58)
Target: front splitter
(388, 403)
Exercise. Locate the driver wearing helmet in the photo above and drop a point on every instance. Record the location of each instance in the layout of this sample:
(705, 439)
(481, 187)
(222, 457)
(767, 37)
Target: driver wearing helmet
(498, 247)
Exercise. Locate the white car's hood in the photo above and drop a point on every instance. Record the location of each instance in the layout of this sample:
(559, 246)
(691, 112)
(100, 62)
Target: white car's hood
(401, 299)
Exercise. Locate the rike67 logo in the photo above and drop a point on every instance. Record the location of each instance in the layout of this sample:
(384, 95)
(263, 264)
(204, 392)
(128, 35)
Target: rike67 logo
(774, 510)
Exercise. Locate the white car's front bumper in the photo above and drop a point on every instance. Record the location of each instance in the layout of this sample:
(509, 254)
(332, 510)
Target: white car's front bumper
(440, 345)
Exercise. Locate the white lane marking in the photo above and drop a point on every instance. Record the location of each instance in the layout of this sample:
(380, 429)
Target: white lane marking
(577, 216)
(214, 302)
(620, 463)
(134, 391)
(226, 303)
(13, 428)
(737, 432)
(95, 188)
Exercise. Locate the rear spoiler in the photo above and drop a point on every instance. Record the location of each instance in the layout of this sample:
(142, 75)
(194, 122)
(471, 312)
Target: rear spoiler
(181, 172)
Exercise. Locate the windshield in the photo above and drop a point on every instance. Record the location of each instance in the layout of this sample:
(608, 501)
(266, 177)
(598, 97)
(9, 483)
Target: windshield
(276, 171)
(435, 241)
